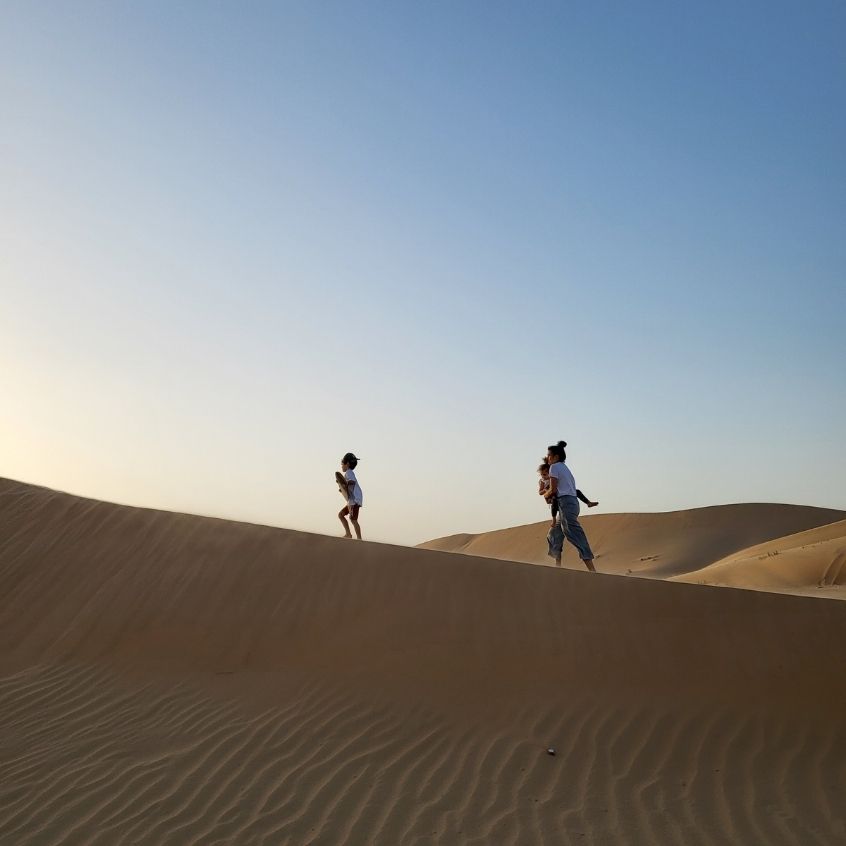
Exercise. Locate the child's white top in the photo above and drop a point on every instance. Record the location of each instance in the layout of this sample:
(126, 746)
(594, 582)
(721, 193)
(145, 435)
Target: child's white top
(566, 483)
(355, 496)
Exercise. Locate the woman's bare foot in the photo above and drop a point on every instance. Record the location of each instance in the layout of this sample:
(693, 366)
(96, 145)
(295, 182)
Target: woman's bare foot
(589, 564)
(557, 560)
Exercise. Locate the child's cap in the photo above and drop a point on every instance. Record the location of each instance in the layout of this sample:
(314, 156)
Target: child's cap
(349, 458)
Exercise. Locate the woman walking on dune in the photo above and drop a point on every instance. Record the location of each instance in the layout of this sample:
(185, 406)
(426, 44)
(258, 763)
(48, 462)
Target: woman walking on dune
(563, 488)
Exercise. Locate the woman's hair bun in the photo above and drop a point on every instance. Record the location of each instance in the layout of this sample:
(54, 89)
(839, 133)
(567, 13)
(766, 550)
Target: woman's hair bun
(562, 444)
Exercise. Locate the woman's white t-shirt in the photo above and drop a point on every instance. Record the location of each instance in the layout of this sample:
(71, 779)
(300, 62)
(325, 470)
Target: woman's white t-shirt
(566, 483)
(355, 495)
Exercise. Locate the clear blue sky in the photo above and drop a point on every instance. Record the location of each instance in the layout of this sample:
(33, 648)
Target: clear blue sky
(240, 239)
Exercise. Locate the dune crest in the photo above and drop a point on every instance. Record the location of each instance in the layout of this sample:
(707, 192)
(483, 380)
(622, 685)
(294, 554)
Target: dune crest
(171, 679)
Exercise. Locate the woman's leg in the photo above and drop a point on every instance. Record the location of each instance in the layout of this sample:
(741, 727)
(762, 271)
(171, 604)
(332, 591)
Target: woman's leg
(555, 539)
(573, 529)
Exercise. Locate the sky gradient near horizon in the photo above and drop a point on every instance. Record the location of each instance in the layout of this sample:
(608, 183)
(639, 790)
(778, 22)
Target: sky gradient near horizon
(239, 240)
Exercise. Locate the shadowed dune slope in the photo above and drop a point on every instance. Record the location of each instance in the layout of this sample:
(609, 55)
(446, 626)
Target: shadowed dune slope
(171, 679)
(656, 545)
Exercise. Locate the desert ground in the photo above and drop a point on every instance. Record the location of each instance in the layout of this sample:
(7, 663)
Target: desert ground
(174, 679)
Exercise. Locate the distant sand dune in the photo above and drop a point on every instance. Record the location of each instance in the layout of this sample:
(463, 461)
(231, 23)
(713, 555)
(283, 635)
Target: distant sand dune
(660, 545)
(169, 679)
(811, 562)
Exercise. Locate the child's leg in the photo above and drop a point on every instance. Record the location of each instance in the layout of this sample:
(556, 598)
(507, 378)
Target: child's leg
(342, 516)
(354, 520)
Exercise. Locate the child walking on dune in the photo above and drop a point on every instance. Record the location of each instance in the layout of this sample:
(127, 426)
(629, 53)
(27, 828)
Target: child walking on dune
(355, 498)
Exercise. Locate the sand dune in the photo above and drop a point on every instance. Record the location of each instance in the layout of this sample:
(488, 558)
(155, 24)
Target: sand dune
(811, 562)
(655, 545)
(169, 679)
